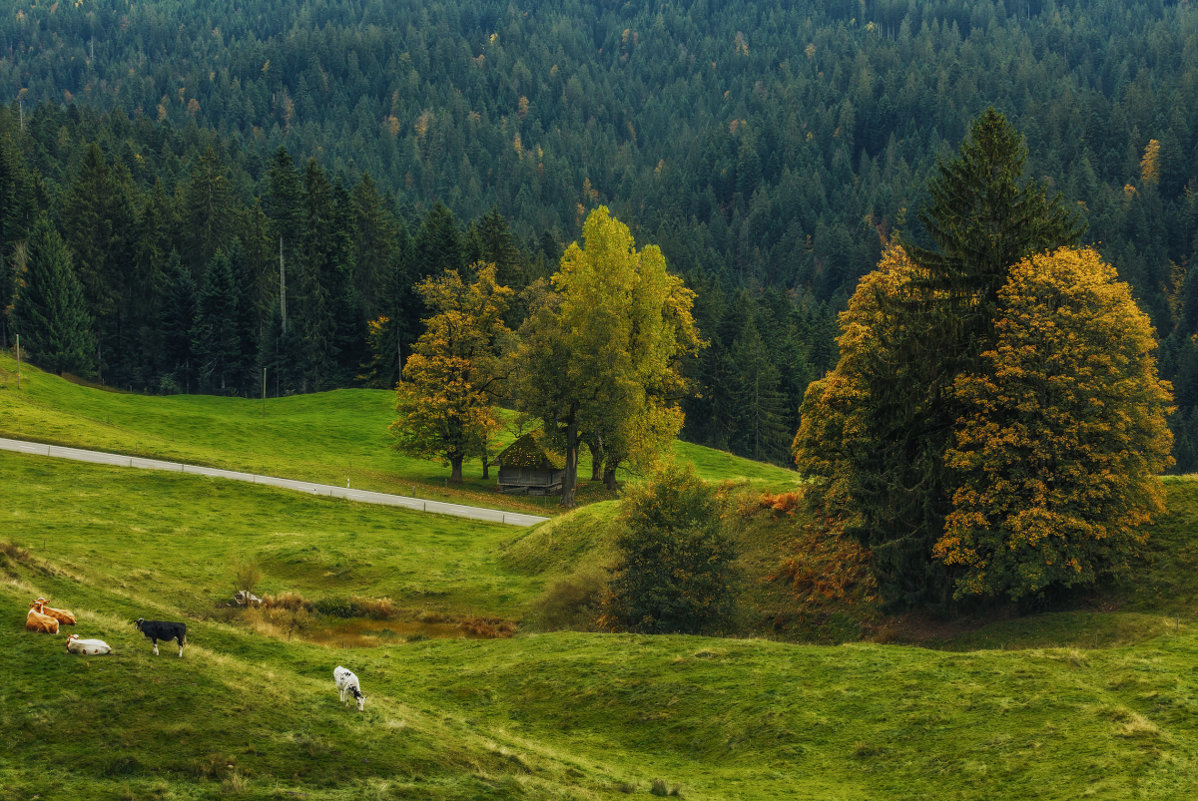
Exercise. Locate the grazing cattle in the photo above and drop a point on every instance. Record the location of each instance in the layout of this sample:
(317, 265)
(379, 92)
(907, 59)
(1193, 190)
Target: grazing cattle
(246, 598)
(157, 630)
(87, 647)
(36, 621)
(347, 685)
(61, 615)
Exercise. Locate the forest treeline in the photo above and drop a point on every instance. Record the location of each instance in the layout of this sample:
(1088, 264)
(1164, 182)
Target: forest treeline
(769, 148)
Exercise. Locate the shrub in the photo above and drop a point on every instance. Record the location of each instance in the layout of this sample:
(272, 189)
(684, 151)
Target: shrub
(286, 600)
(246, 574)
(490, 628)
(572, 603)
(674, 572)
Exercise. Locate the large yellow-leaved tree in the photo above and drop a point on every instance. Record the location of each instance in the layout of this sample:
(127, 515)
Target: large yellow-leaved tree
(446, 402)
(1058, 453)
(600, 352)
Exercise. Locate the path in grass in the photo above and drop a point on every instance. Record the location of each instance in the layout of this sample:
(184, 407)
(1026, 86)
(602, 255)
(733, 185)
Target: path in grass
(363, 496)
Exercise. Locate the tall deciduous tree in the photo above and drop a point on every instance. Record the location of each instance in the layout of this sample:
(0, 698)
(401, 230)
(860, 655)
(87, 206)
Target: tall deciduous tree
(446, 401)
(600, 352)
(1064, 433)
(49, 312)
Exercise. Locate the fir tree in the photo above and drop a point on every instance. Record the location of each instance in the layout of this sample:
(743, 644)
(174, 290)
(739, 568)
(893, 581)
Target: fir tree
(216, 343)
(49, 312)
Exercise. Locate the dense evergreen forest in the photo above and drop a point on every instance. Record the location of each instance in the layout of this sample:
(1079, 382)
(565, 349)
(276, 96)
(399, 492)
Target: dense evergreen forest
(769, 148)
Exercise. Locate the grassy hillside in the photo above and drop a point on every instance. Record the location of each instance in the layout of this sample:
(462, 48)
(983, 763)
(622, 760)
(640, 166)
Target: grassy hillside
(328, 437)
(1096, 701)
(566, 715)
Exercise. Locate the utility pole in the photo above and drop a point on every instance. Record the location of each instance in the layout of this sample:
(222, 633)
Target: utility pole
(264, 392)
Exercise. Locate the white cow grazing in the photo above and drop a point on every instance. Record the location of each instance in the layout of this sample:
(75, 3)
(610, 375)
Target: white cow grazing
(347, 685)
(87, 647)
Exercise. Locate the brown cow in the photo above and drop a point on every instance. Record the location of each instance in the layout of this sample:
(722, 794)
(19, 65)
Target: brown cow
(36, 621)
(61, 615)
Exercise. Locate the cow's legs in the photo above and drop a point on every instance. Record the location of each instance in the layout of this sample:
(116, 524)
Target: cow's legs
(155, 647)
(180, 648)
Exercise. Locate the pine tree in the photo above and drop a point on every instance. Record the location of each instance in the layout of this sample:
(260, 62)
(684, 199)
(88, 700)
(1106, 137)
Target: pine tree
(888, 412)
(177, 318)
(49, 312)
(983, 217)
(761, 422)
(99, 224)
(207, 213)
(216, 341)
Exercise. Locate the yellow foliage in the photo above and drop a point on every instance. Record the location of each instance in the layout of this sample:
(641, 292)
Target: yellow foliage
(446, 401)
(1150, 164)
(1063, 436)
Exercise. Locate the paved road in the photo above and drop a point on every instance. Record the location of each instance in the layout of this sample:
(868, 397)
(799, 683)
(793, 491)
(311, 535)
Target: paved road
(419, 504)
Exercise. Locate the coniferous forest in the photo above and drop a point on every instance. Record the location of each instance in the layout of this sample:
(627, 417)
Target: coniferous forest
(221, 189)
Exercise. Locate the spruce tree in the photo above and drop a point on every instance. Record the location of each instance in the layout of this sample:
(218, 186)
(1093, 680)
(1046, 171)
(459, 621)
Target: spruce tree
(49, 312)
(216, 342)
(177, 316)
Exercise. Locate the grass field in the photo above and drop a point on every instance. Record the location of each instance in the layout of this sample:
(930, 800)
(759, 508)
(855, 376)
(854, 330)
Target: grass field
(329, 438)
(1095, 701)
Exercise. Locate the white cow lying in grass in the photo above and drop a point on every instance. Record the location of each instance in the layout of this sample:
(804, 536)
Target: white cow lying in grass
(347, 685)
(87, 647)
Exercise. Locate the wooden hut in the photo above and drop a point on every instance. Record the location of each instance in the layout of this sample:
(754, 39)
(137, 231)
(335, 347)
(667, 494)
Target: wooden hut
(527, 466)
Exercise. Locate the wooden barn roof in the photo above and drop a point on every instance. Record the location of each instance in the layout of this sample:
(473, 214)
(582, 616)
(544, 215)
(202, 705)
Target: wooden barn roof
(530, 452)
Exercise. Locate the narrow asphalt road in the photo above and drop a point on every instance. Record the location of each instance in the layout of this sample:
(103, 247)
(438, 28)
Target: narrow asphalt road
(363, 496)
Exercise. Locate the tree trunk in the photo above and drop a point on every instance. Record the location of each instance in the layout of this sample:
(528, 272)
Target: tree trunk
(609, 476)
(455, 465)
(570, 480)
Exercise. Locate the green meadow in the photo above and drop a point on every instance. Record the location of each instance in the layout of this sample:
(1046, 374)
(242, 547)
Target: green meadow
(330, 437)
(469, 697)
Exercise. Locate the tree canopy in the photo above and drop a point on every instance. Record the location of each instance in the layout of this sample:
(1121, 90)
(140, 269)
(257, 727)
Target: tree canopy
(600, 350)
(1064, 434)
(446, 402)
(887, 431)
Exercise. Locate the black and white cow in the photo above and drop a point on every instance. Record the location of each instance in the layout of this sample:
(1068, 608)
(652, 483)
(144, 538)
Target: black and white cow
(347, 685)
(157, 630)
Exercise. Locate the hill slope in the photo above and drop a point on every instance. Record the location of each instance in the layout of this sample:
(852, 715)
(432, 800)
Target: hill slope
(1097, 703)
(328, 437)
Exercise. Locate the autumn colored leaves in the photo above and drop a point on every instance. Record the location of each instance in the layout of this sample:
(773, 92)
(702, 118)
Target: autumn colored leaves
(995, 424)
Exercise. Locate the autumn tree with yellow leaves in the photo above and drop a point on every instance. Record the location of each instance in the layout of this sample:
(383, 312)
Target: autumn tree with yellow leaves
(1058, 454)
(446, 402)
(995, 422)
(600, 353)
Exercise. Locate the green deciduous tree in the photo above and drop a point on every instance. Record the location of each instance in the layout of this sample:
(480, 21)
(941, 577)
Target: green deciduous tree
(1063, 436)
(600, 352)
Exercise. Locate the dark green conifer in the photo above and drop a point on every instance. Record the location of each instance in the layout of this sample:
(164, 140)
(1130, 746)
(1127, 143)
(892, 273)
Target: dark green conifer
(49, 312)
